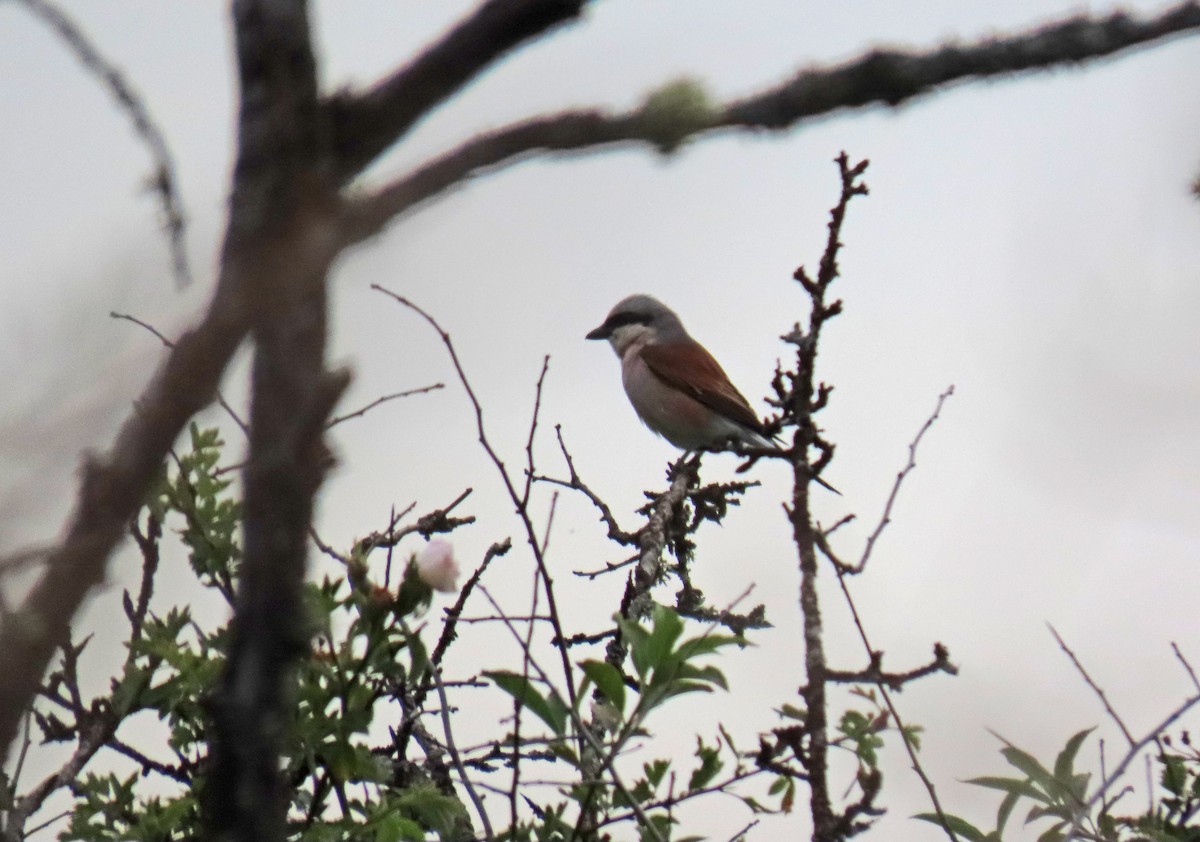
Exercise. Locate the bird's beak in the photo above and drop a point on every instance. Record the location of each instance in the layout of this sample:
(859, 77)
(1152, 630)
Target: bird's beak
(602, 332)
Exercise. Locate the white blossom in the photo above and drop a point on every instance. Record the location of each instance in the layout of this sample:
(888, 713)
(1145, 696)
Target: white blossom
(436, 566)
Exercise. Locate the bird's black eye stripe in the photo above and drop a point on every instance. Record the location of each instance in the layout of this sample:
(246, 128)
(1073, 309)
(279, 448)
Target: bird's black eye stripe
(617, 320)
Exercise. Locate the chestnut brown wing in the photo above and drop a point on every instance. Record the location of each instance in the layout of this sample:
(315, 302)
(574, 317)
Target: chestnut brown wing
(693, 371)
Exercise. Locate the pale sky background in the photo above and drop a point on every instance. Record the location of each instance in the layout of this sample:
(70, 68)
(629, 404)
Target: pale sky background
(1030, 241)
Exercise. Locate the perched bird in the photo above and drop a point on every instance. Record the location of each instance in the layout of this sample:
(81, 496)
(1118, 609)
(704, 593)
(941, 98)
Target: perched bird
(677, 388)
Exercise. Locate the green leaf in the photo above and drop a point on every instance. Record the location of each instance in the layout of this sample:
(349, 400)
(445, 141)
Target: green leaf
(420, 655)
(1054, 834)
(793, 712)
(608, 679)
(521, 689)
(1035, 771)
(655, 770)
(395, 828)
(636, 636)
(705, 645)
(962, 827)
(1056, 811)
(661, 642)
(710, 765)
(912, 734)
(709, 675)
(1006, 808)
(1064, 764)
(1174, 774)
(562, 749)
(1011, 785)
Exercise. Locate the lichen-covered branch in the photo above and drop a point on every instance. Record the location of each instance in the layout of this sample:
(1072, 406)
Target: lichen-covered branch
(680, 110)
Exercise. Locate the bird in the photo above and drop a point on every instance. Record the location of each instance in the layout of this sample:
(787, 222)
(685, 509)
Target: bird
(675, 385)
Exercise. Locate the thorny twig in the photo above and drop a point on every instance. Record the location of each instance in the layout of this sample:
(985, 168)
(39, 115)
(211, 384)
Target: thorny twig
(800, 397)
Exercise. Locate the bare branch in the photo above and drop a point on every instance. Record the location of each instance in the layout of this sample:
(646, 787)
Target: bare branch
(130, 101)
(875, 674)
(1092, 684)
(365, 125)
(436, 522)
(609, 567)
(940, 663)
(358, 413)
(1187, 666)
(533, 425)
(886, 517)
(514, 496)
(799, 397)
(224, 404)
(888, 77)
(892, 77)
(454, 613)
(615, 533)
(436, 675)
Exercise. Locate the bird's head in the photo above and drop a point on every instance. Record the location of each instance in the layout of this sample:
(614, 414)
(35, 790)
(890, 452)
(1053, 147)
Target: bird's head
(638, 320)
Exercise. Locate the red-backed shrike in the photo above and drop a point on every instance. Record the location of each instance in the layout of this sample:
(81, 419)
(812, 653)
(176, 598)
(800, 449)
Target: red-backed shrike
(677, 388)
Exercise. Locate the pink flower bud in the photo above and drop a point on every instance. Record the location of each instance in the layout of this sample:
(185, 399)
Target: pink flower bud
(436, 566)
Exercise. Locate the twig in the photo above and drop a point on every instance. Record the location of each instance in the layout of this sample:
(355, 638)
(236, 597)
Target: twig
(26, 742)
(615, 532)
(522, 511)
(224, 404)
(1191, 672)
(454, 613)
(527, 645)
(358, 413)
(449, 633)
(609, 567)
(130, 101)
(886, 517)
(800, 397)
(326, 549)
(941, 663)
(533, 425)
(1092, 684)
(436, 675)
(45, 824)
(147, 763)
(436, 522)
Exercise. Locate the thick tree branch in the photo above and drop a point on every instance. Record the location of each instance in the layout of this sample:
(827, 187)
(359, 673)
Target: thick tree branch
(892, 77)
(365, 125)
(888, 77)
(277, 239)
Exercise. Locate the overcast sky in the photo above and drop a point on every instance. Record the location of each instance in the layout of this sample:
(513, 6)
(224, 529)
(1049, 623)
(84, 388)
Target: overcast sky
(1031, 242)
